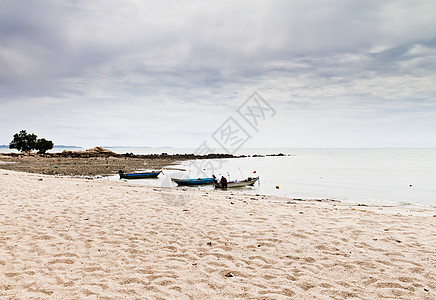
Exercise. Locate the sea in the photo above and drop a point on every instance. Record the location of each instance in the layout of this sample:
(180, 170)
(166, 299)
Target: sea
(366, 176)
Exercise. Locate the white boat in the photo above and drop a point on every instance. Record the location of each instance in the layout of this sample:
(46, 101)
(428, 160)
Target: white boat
(231, 184)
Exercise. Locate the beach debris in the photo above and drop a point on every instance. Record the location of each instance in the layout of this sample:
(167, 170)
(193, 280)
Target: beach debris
(229, 274)
(277, 187)
(40, 179)
(301, 212)
(232, 203)
(426, 289)
(209, 243)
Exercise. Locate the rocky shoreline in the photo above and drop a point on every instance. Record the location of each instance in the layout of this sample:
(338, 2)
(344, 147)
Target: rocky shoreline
(93, 162)
(98, 161)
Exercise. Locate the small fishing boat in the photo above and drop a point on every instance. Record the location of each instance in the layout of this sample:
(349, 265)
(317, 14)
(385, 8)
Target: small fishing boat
(192, 181)
(151, 174)
(232, 184)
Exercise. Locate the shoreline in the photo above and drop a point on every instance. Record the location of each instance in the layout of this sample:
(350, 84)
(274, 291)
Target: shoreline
(74, 238)
(99, 161)
(92, 164)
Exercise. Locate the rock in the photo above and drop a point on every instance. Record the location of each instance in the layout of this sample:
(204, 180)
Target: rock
(100, 150)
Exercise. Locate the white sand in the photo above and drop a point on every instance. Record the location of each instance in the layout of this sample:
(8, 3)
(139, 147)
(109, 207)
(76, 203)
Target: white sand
(63, 238)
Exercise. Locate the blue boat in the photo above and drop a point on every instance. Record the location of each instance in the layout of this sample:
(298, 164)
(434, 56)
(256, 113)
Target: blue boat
(193, 181)
(152, 174)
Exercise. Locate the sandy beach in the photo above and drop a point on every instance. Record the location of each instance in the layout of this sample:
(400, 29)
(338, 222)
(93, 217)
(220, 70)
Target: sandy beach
(71, 238)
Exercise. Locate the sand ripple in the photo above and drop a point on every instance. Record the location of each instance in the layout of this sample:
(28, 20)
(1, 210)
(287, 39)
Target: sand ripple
(63, 238)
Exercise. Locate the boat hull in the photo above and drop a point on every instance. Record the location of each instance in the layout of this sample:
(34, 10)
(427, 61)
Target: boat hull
(153, 174)
(234, 184)
(197, 181)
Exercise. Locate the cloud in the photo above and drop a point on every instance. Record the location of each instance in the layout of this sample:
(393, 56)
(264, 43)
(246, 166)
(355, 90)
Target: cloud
(94, 66)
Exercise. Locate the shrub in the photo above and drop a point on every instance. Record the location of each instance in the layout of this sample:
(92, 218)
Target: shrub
(43, 145)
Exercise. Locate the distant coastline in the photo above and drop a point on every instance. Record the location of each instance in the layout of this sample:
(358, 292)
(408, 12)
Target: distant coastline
(140, 147)
(65, 146)
(55, 146)
(113, 147)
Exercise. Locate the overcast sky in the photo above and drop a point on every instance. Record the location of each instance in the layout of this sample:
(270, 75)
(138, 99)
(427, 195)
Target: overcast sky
(169, 73)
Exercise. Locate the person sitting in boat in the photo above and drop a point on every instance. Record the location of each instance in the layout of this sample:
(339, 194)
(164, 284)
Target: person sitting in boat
(214, 179)
(223, 182)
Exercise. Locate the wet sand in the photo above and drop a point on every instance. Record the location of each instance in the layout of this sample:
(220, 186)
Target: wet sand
(71, 238)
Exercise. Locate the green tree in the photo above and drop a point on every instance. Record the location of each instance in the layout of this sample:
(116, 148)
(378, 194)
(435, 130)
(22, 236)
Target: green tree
(43, 145)
(23, 141)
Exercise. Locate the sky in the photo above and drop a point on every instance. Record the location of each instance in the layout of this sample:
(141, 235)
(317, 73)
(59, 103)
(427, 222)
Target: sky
(171, 73)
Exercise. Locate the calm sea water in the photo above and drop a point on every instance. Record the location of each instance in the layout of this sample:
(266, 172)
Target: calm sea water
(389, 176)
(386, 176)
